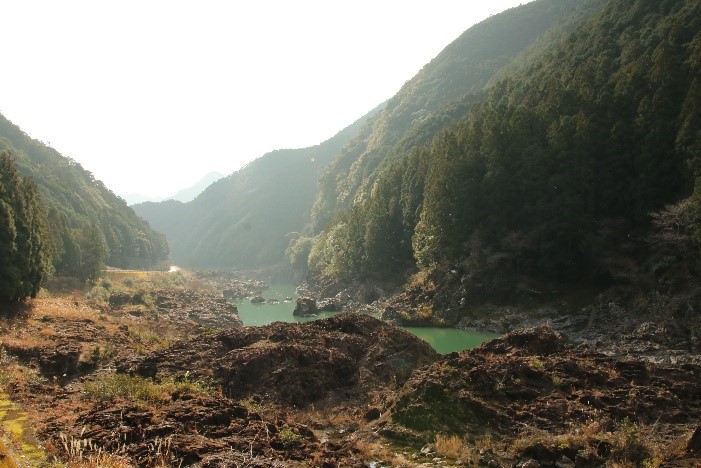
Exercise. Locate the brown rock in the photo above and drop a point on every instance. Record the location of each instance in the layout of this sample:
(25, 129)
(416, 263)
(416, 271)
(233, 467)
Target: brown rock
(534, 378)
(305, 306)
(693, 446)
(59, 361)
(343, 357)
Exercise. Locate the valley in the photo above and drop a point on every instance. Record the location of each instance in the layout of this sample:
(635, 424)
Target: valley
(498, 266)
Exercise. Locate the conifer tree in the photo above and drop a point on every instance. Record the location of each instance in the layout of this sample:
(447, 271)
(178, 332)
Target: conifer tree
(94, 253)
(24, 247)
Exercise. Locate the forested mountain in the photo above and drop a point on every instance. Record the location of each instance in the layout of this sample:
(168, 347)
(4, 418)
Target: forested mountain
(243, 220)
(85, 218)
(420, 108)
(247, 219)
(582, 165)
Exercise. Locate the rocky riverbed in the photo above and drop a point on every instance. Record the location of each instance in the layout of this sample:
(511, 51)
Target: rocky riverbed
(160, 379)
(179, 306)
(656, 325)
(551, 403)
(232, 286)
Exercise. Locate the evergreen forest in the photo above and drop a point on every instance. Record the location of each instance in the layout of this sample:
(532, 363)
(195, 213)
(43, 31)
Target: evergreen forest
(88, 226)
(566, 171)
(24, 237)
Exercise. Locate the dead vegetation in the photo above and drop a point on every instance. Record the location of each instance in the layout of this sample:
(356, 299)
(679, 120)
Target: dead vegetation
(90, 416)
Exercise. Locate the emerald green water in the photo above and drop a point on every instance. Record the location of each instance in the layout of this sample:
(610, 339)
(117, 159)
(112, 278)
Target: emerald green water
(263, 314)
(443, 340)
(449, 340)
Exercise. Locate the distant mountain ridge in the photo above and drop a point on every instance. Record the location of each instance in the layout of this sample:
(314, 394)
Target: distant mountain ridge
(184, 195)
(245, 219)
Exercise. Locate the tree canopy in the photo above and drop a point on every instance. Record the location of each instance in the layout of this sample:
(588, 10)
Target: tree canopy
(76, 202)
(24, 239)
(560, 162)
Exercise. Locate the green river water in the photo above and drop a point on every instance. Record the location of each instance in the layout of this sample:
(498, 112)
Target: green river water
(443, 340)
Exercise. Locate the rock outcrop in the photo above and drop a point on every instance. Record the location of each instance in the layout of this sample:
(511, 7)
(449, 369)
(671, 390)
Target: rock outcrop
(305, 306)
(232, 287)
(181, 305)
(341, 358)
(533, 379)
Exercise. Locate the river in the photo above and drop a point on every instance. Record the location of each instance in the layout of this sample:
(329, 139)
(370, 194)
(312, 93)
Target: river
(443, 340)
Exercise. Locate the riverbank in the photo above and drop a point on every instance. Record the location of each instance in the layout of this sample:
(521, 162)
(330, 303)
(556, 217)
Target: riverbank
(120, 376)
(659, 325)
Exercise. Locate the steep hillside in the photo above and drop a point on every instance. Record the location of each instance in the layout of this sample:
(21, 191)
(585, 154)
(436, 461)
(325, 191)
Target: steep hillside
(582, 168)
(412, 116)
(77, 203)
(245, 220)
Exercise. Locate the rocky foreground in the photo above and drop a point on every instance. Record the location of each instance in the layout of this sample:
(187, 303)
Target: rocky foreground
(346, 358)
(126, 385)
(531, 386)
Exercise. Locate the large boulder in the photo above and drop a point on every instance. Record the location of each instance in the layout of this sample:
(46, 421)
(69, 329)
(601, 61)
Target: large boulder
(305, 306)
(330, 304)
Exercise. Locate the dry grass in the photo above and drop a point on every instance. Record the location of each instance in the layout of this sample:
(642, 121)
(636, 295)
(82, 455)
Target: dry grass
(151, 339)
(140, 390)
(47, 331)
(23, 341)
(399, 461)
(68, 308)
(12, 371)
(334, 418)
(100, 460)
(82, 453)
(369, 450)
(121, 275)
(452, 447)
(59, 285)
(150, 280)
(632, 444)
(6, 460)
(376, 451)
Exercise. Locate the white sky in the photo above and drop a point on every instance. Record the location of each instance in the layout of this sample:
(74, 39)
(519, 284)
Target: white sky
(151, 95)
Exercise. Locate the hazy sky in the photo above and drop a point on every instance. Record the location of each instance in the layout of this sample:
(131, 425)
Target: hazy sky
(151, 95)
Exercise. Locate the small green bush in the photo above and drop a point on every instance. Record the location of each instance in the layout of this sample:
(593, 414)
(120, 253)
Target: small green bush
(139, 389)
(99, 294)
(125, 387)
(288, 437)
